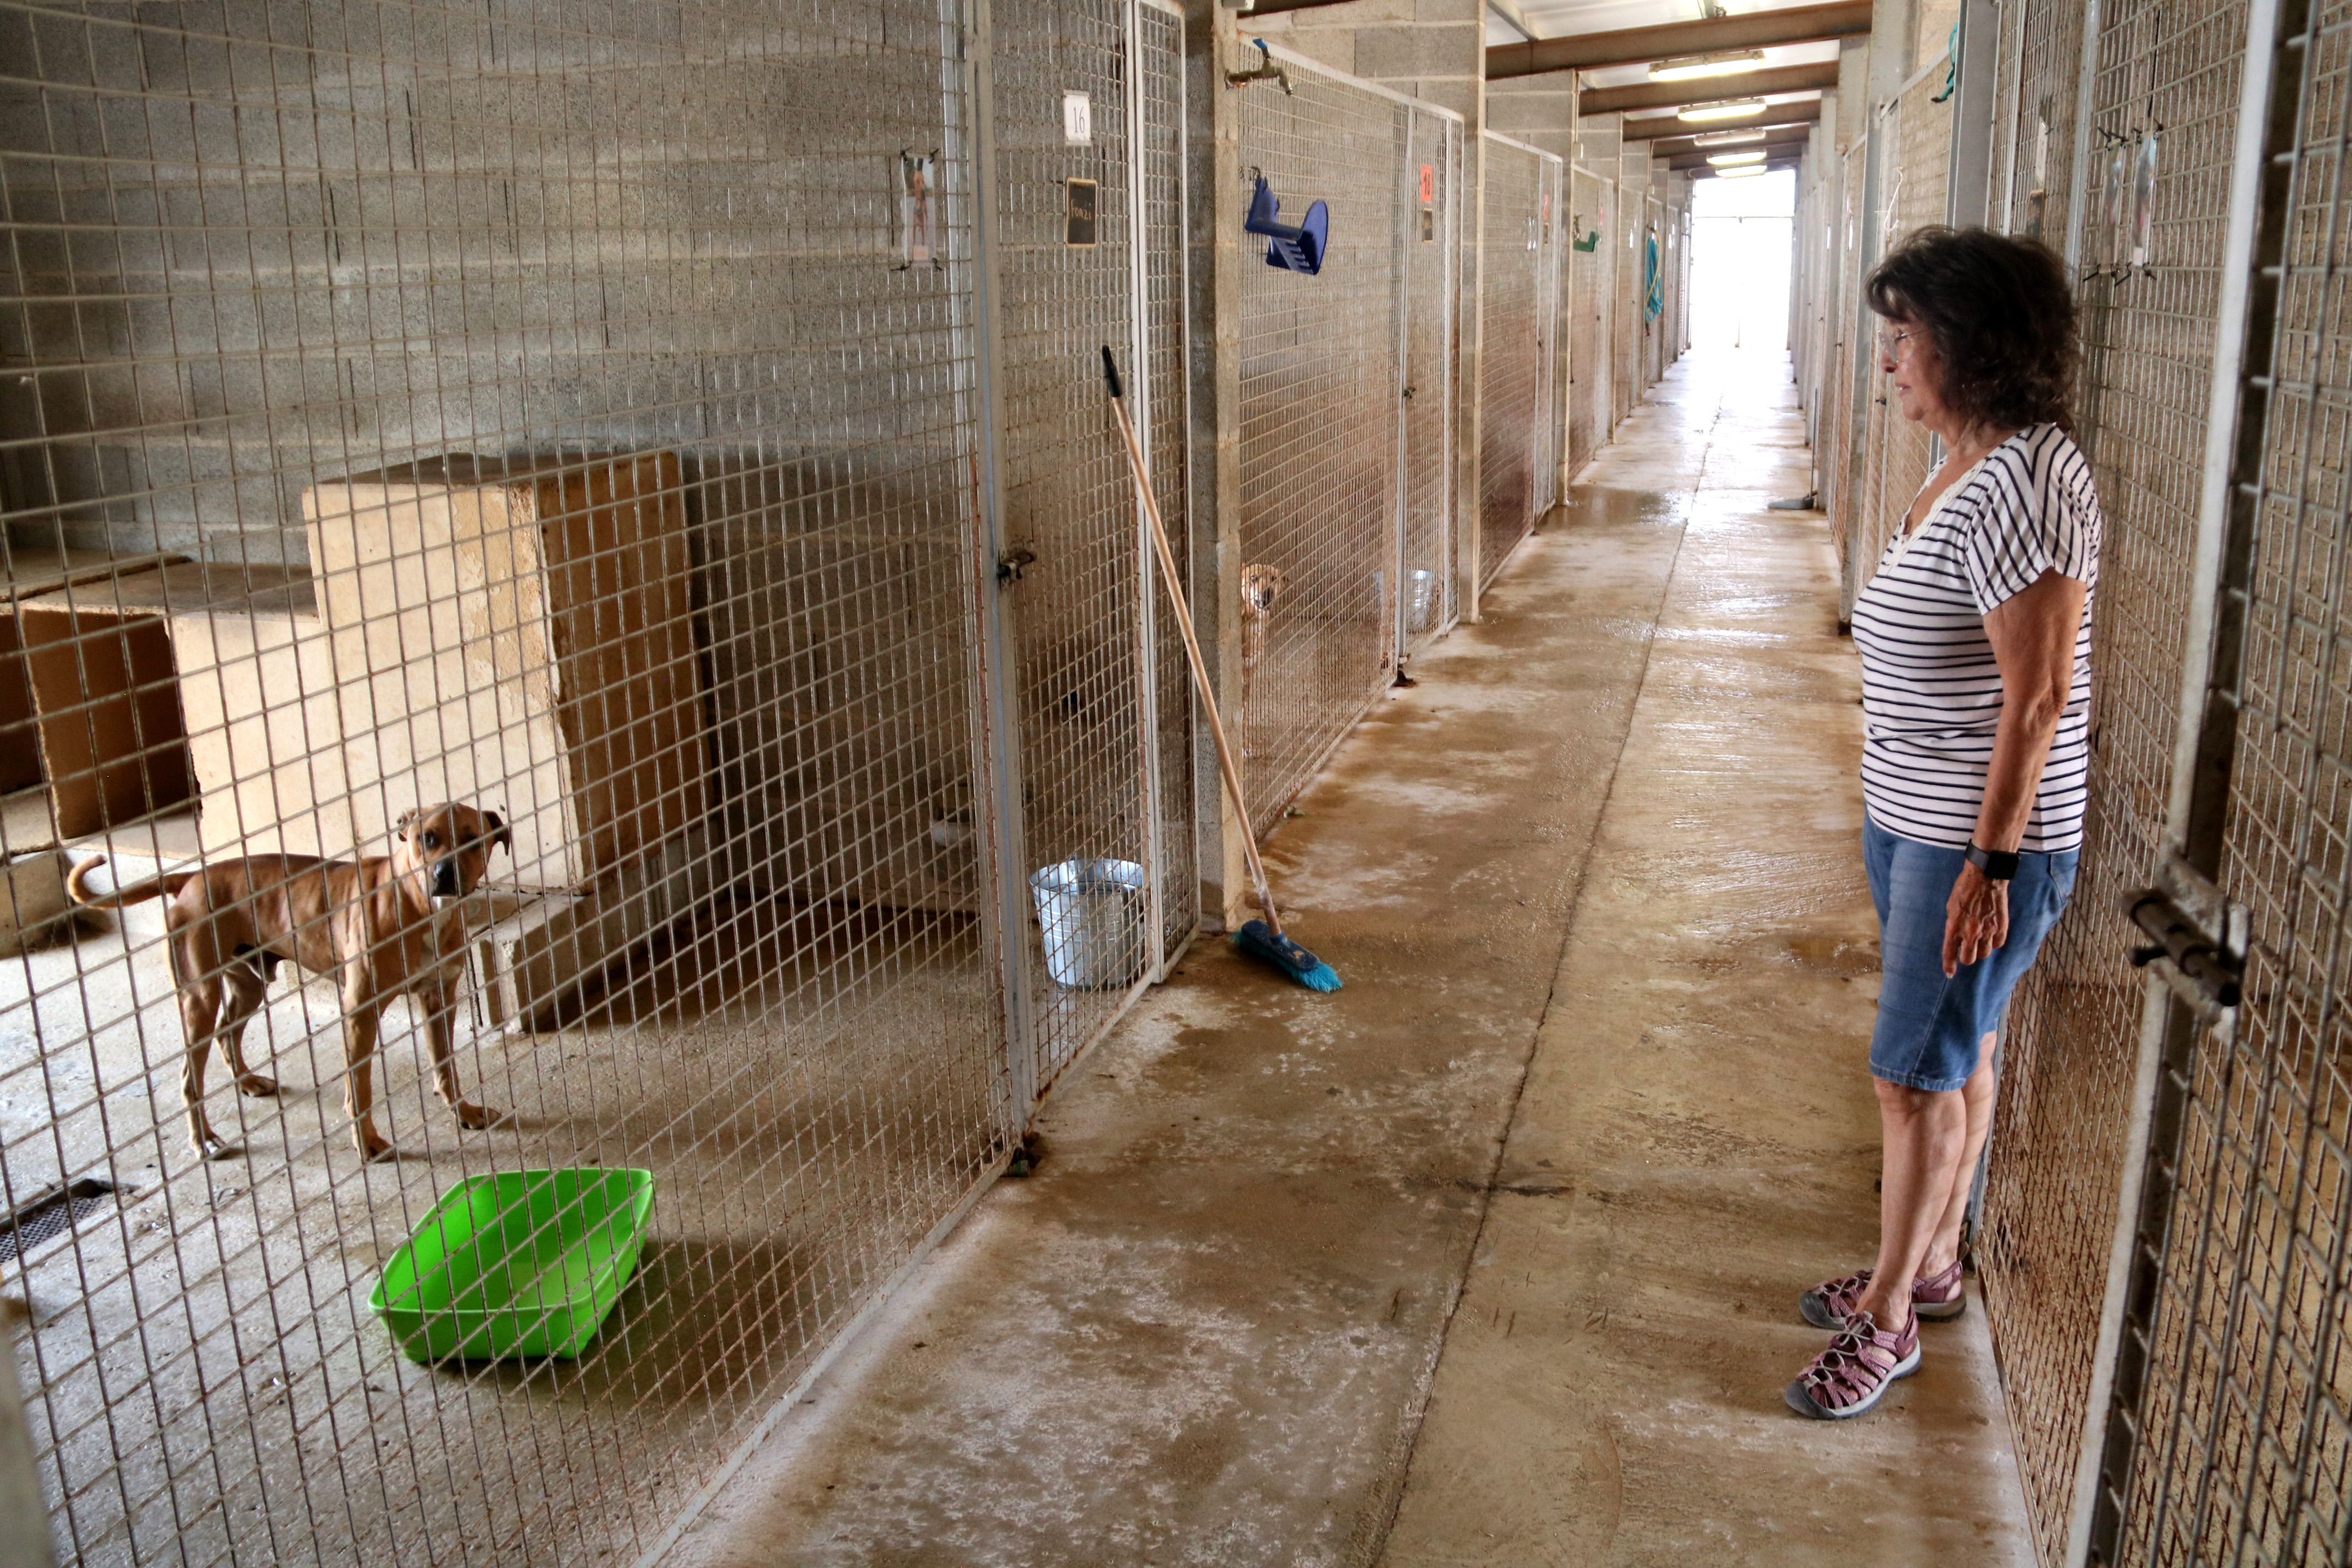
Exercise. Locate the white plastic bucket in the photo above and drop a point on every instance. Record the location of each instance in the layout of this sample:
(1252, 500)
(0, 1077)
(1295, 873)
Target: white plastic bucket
(1422, 599)
(1092, 913)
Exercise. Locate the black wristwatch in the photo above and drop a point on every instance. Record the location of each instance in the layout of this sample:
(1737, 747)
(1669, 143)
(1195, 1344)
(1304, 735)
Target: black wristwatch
(1998, 864)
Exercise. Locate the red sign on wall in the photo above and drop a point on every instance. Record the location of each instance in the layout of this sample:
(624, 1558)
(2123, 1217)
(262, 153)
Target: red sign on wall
(1428, 184)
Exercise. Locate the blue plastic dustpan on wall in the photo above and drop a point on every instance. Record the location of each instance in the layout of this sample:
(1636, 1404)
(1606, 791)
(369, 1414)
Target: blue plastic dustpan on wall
(1294, 248)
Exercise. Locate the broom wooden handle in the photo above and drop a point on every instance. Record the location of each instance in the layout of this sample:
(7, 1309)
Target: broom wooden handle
(1225, 763)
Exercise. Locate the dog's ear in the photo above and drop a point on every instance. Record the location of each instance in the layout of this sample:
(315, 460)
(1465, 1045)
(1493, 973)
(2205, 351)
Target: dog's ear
(499, 832)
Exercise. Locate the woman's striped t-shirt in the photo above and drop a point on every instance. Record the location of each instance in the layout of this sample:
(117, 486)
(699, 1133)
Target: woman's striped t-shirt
(1931, 689)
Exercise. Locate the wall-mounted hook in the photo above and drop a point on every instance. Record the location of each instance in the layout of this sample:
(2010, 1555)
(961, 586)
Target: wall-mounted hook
(1294, 248)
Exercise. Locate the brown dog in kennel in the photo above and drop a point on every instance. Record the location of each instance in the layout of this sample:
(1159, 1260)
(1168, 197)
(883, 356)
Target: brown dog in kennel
(372, 923)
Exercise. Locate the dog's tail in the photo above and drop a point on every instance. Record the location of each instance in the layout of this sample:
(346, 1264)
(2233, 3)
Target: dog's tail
(78, 885)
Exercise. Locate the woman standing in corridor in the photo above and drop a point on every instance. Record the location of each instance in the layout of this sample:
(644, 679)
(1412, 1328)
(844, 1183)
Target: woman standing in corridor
(1975, 635)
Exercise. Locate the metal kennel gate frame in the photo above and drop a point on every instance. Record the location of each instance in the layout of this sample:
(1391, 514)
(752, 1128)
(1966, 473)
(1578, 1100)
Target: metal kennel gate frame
(2205, 1419)
(1333, 520)
(771, 567)
(1518, 299)
(1585, 328)
(2226, 1424)
(1916, 134)
(1429, 351)
(1625, 301)
(1043, 393)
(1843, 380)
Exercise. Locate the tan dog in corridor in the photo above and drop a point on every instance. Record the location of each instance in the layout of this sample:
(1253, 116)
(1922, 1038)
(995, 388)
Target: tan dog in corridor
(372, 923)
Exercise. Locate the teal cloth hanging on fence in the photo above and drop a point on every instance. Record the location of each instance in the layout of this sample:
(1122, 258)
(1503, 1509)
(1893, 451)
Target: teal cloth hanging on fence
(1653, 287)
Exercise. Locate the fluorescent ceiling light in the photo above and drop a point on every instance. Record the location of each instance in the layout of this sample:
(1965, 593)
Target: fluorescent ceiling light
(1727, 138)
(1700, 113)
(1739, 174)
(1693, 67)
(1732, 160)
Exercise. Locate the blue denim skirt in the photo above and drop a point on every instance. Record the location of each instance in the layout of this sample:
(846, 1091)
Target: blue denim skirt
(1928, 1025)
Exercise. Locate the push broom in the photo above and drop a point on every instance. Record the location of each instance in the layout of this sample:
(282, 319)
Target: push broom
(1261, 939)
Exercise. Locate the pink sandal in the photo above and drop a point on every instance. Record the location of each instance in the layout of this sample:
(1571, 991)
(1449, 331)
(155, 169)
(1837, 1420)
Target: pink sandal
(1938, 1298)
(1853, 1374)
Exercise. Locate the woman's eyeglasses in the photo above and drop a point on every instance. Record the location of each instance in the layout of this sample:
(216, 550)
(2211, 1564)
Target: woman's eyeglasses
(1890, 345)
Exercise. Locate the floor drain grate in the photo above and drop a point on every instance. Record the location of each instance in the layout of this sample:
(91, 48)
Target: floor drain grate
(52, 1211)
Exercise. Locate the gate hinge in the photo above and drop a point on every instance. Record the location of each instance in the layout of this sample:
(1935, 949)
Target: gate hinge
(2199, 946)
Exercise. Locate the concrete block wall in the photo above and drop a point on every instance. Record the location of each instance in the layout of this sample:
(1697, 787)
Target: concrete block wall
(1539, 110)
(1433, 50)
(486, 232)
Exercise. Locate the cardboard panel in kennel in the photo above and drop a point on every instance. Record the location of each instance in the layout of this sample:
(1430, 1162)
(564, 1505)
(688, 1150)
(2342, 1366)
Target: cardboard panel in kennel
(515, 632)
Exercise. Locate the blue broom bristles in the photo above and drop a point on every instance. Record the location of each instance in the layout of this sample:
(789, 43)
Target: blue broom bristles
(1265, 944)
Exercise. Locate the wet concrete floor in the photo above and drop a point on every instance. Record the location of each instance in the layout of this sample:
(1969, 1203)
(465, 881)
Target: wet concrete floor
(1492, 1257)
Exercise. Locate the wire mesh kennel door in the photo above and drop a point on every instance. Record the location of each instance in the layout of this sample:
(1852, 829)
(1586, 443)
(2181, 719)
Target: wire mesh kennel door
(1324, 423)
(2165, 80)
(1585, 337)
(1551, 246)
(1157, 108)
(1081, 619)
(1840, 430)
(1432, 263)
(2041, 120)
(1512, 355)
(1625, 273)
(2227, 1430)
(592, 419)
(1870, 497)
(1919, 134)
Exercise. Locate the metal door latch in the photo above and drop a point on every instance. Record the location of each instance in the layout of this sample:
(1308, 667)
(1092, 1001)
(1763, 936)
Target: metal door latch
(2199, 946)
(1009, 565)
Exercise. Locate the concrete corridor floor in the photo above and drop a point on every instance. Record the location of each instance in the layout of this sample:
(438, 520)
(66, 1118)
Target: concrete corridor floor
(1492, 1257)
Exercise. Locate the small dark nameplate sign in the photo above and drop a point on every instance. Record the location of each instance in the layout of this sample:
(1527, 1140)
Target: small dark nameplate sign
(1079, 228)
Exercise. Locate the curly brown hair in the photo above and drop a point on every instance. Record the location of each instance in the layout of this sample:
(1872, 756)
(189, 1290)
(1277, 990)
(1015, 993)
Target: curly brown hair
(1999, 312)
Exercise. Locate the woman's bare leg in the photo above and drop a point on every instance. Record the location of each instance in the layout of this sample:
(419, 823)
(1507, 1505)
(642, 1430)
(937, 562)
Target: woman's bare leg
(1979, 1092)
(1924, 1132)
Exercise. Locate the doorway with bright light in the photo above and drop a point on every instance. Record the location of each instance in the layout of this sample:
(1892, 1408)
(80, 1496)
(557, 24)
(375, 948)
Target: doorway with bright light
(1740, 246)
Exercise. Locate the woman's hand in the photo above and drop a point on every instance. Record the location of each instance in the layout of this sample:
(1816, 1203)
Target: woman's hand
(1976, 918)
